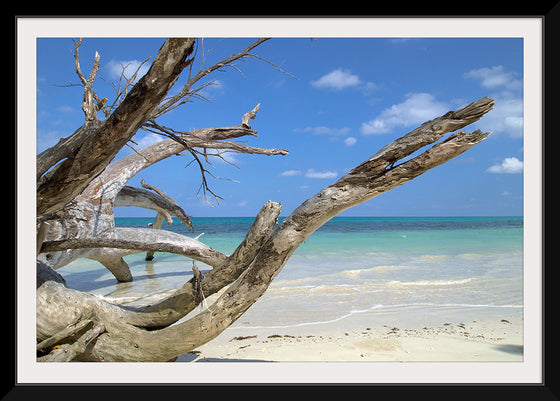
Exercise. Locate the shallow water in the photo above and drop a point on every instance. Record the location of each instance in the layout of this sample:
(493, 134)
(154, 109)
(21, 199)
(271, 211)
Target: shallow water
(348, 266)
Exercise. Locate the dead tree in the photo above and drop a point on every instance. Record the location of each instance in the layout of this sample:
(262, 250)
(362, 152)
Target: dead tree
(73, 203)
(73, 325)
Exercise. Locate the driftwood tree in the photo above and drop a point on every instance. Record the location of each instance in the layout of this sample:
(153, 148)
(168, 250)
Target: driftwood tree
(78, 184)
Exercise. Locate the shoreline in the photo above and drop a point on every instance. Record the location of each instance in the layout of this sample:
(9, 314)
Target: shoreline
(447, 334)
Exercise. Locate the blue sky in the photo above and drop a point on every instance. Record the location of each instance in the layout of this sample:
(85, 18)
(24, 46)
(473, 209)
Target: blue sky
(344, 100)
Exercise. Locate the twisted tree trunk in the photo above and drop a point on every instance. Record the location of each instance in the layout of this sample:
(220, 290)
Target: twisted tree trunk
(90, 329)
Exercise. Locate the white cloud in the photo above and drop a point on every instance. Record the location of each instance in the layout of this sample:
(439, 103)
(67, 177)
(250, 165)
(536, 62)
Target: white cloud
(311, 173)
(337, 79)
(505, 117)
(494, 77)
(290, 173)
(507, 114)
(510, 165)
(242, 203)
(350, 141)
(147, 140)
(115, 68)
(416, 109)
(321, 130)
(340, 79)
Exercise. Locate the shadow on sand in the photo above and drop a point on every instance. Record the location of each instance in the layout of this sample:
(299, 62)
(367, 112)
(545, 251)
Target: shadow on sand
(193, 358)
(510, 348)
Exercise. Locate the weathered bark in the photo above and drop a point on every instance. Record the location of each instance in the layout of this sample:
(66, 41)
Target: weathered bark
(74, 305)
(75, 199)
(70, 211)
(66, 180)
(90, 216)
(225, 271)
(120, 334)
(133, 240)
(130, 196)
(359, 185)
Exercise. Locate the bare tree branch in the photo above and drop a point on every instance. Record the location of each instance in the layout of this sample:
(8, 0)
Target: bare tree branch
(168, 105)
(192, 140)
(122, 89)
(142, 240)
(76, 198)
(125, 337)
(90, 109)
(250, 115)
(129, 196)
(70, 177)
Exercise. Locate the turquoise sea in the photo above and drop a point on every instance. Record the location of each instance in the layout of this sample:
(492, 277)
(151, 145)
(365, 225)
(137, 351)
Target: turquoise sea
(350, 265)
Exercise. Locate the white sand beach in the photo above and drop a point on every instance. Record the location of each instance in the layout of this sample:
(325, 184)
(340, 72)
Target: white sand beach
(450, 334)
(402, 290)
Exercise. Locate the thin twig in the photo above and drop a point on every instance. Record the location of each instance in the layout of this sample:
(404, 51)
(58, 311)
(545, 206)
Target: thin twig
(165, 107)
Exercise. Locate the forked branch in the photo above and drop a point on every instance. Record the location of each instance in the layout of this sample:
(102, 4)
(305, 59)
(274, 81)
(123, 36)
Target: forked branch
(88, 106)
(257, 262)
